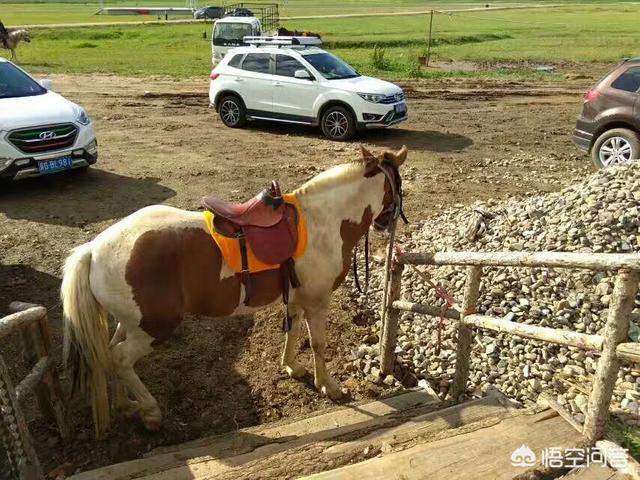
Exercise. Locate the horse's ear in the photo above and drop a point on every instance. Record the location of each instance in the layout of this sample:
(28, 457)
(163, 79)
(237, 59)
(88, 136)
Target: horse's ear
(397, 158)
(370, 160)
(366, 154)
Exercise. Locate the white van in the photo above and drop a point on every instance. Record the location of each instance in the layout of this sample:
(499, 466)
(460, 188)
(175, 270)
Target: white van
(228, 33)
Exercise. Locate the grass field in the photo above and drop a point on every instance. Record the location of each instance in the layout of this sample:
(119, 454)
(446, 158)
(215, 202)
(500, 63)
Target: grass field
(586, 33)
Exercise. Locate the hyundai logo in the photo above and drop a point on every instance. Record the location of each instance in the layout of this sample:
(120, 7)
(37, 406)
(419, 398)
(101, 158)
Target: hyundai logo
(47, 135)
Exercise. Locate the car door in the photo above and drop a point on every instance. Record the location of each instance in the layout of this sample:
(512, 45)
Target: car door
(254, 82)
(293, 98)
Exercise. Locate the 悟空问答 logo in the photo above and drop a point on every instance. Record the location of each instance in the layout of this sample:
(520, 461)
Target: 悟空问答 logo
(523, 457)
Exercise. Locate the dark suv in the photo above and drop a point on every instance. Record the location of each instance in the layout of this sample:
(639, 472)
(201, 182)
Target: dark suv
(609, 126)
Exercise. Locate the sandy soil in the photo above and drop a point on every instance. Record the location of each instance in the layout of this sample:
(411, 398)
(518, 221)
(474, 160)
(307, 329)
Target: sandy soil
(159, 143)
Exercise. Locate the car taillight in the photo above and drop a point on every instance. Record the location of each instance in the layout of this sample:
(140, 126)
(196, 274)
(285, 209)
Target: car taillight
(214, 75)
(591, 95)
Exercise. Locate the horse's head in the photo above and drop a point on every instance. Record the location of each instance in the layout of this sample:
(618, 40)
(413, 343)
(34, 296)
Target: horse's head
(23, 35)
(387, 164)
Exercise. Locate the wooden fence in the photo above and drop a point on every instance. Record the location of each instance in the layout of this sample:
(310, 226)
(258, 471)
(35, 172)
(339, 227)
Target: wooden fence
(610, 345)
(32, 323)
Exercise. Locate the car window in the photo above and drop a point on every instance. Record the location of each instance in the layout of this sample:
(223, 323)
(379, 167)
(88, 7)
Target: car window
(330, 66)
(235, 60)
(629, 81)
(287, 66)
(15, 83)
(257, 62)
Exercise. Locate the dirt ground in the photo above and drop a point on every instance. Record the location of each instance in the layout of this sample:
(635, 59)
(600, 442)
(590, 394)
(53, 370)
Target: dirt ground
(160, 143)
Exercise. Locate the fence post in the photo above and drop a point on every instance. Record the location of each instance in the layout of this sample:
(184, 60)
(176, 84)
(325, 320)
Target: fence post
(465, 333)
(389, 335)
(615, 332)
(15, 434)
(36, 346)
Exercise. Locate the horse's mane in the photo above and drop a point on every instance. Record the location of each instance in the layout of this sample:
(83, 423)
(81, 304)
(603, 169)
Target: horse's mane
(334, 176)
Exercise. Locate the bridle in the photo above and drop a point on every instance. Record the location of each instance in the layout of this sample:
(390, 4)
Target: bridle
(393, 211)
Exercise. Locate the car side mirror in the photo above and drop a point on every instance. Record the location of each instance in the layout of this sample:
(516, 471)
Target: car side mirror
(302, 75)
(46, 84)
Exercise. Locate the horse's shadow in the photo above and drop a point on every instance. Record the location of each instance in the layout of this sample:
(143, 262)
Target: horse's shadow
(79, 198)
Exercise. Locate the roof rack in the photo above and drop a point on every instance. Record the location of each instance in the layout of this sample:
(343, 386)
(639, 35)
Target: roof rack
(278, 40)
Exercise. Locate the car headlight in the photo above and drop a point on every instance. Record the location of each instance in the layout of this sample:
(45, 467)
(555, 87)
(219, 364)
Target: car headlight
(372, 97)
(82, 117)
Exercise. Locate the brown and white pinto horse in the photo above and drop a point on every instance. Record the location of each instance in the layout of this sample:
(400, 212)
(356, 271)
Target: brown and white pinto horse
(159, 263)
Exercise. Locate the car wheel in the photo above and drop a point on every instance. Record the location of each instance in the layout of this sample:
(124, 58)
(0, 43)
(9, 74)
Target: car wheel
(232, 111)
(615, 147)
(338, 124)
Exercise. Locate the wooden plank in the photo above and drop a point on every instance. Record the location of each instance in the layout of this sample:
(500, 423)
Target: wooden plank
(592, 472)
(317, 452)
(12, 323)
(629, 352)
(619, 459)
(545, 334)
(425, 309)
(592, 261)
(33, 378)
(563, 412)
(425, 426)
(483, 453)
(325, 425)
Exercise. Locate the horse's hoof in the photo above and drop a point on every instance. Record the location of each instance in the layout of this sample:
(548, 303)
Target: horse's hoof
(297, 371)
(330, 389)
(333, 393)
(151, 419)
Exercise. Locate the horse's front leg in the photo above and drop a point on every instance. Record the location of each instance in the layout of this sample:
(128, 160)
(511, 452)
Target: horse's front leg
(289, 362)
(316, 323)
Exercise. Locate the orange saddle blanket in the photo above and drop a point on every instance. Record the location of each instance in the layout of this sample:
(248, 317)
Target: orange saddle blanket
(230, 245)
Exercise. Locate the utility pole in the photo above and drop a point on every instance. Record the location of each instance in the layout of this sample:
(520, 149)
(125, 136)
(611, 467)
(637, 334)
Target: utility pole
(430, 36)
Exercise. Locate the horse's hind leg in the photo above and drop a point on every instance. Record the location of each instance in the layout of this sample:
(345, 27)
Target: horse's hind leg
(125, 354)
(289, 362)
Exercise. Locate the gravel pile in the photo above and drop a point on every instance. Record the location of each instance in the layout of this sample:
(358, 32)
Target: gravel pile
(602, 214)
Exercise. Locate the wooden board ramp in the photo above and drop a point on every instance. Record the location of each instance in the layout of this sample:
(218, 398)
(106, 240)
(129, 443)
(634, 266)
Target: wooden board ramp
(593, 472)
(410, 435)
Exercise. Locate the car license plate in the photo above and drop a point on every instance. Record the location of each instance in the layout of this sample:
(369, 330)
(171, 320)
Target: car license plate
(401, 107)
(55, 165)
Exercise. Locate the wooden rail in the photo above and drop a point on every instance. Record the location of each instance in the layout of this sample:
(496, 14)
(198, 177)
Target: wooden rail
(31, 322)
(610, 345)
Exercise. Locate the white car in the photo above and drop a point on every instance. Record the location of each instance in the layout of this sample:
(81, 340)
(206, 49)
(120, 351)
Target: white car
(41, 132)
(275, 79)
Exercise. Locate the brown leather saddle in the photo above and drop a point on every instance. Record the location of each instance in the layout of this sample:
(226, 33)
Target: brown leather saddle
(268, 225)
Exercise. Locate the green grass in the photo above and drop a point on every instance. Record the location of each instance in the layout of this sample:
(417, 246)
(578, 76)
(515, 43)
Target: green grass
(626, 436)
(586, 33)
(37, 12)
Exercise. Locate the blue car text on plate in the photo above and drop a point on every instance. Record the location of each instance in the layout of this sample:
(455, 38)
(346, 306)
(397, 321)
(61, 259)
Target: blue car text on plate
(55, 165)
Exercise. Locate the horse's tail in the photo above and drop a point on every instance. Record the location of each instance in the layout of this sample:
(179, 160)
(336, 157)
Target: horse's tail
(86, 347)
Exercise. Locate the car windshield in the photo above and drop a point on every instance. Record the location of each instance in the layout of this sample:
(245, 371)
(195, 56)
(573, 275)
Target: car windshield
(15, 83)
(231, 32)
(330, 66)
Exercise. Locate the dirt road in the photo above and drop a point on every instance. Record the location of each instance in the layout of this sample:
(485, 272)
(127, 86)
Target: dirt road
(159, 143)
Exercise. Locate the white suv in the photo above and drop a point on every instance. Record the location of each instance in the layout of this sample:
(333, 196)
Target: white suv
(41, 132)
(304, 85)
